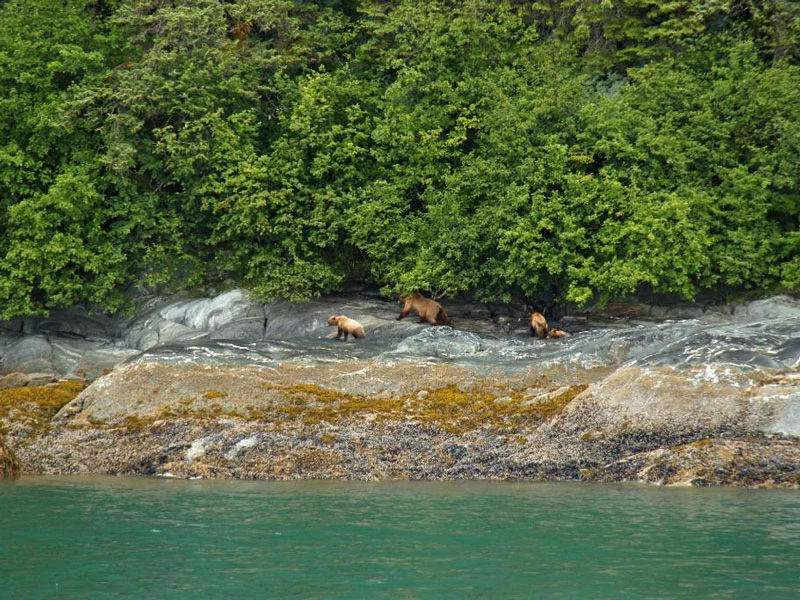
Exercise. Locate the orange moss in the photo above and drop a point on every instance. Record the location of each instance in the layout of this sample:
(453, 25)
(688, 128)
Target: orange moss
(9, 465)
(701, 443)
(327, 439)
(135, 423)
(312, 390)
(456, 410)
(451, 408)
(36, 405)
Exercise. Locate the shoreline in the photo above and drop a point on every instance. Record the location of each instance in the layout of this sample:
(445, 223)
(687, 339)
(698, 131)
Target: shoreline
(421, 423)
(226, 388)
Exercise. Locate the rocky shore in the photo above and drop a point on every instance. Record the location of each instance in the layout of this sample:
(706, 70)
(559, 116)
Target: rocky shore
(364, 421)
(9, 465)
(260, 412)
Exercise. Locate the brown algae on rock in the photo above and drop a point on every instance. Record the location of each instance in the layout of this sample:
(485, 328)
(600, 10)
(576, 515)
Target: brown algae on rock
(31, 408)
(360, 420)
(26, 412)
(449, 408)
(9, 465)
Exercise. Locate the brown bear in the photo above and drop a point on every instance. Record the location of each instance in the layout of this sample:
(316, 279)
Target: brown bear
(538, 325)
(346, 326)
(555, 332)
(427, 309)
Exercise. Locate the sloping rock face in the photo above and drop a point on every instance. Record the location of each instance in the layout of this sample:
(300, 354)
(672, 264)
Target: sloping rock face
(365, 420)
(225, 387)
(696, 426)
(640, 402)
(358, 420)
(73, 343)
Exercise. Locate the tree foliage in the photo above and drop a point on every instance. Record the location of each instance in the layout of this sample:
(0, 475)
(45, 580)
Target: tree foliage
(565, 151)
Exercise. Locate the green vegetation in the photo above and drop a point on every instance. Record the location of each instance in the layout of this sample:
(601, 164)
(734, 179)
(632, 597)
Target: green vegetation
(541, 150)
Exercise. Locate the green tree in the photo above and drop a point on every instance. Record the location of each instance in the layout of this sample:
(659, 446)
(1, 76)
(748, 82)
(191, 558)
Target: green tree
(51, 252)
(554, 151)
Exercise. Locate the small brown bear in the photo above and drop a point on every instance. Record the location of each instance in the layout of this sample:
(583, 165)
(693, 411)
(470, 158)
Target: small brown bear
(538, 325)
(346, 326)
(428, 310)
(555, 333)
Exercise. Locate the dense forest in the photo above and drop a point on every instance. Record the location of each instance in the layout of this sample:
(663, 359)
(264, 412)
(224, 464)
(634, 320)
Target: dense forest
(579, 150)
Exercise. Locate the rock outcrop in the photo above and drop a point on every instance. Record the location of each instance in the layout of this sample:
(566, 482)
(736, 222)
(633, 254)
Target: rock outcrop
(364, 420)
(9, 465)
(225, 387)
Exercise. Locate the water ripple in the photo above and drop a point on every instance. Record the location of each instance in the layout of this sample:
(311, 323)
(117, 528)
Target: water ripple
(101, 538)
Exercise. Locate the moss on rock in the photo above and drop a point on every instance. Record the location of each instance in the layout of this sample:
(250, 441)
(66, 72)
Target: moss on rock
(9, 465)
(34, 406)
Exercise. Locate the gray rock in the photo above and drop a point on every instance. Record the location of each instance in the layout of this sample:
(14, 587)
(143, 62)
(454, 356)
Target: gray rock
(760, 335)
(40, 378)
(784, 402)
(670, 403)
(75, 323)
(25, 379)
(180, 320)
(96, 362)
(147, 333)
(467, 310)
(13, 327)
(208, 314)
(68, 352)
(442, 342)
(777, 307)
(29, 355)
(243, 329)
(64, 356)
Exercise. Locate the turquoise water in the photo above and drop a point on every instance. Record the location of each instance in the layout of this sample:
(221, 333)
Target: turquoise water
(151, 538)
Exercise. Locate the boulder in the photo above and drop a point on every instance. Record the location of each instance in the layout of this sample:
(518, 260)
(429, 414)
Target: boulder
(441, 342)
(776, 307)
(648, 407)
(13, 380)
(29, 355)
(208, 314)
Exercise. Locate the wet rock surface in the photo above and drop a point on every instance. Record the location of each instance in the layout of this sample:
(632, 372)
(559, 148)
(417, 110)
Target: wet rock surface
(224, 387)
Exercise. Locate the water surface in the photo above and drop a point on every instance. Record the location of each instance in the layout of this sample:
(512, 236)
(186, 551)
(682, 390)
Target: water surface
(102, 537)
